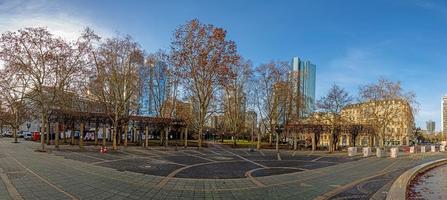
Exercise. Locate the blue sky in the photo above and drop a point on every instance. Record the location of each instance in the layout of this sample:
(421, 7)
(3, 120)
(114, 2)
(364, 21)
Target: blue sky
(352, 42)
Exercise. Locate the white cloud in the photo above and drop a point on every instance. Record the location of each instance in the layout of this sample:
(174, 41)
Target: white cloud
(15, 15)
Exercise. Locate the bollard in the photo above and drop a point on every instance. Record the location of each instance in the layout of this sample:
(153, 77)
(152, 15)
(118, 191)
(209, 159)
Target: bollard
(394, 152)
(433, 148)
(352, 151)
(380, 152)
(367, 151)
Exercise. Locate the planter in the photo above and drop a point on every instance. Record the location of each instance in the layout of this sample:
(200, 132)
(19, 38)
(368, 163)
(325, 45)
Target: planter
(352, 151)
(367, 151)
(394, 152)
(380, 153)
(433, 148)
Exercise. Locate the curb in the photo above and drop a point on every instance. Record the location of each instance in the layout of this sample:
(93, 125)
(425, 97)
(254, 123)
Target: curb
(399, 188)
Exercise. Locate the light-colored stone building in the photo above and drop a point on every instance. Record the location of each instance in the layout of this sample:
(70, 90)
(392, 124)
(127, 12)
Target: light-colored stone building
(391, 119)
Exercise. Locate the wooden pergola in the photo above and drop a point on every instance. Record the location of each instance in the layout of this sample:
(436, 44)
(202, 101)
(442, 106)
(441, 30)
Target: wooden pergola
(66, 120)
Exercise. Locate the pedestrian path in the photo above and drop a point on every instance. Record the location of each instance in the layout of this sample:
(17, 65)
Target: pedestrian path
(38, 175)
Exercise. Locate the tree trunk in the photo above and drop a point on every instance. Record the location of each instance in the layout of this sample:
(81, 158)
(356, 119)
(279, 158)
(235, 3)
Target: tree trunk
(258, 145)
(81, 136)
(56, 135)
(125, 135)
(186, 137)
(270, 139)
(42, 131)
(48, 133)
(277, 146)
(161, 137)
(331, 140)
(104, 136)
(96, 134)
(166, 131)
(146, 137)
(114, 131)
(314, 141)
(119, 134)
(14, 133)
(200, 137)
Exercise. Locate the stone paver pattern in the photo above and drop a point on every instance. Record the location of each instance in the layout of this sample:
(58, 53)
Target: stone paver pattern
(215, 172)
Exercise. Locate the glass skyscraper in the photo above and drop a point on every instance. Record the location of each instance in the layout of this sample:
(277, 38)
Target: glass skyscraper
(153, 88)
(303, 78)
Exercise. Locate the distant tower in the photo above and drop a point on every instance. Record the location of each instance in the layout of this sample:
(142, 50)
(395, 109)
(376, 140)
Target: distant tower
(431, 126)
(154, 88)
(303, 74)
(444, 115)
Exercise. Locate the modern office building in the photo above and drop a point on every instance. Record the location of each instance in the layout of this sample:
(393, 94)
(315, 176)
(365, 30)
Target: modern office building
(154, 88)
(303, 74)
(444, 115)
(431, 126)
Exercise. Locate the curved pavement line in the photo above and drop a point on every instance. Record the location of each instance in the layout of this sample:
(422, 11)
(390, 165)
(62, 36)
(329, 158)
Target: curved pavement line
(44, 180)
(196, 156)
(241, 157)
(166, 179)
(258, 183)
(360, 187)
(13, 193)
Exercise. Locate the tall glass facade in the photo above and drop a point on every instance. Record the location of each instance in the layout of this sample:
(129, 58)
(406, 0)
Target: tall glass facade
(304, 78)
(153, 90)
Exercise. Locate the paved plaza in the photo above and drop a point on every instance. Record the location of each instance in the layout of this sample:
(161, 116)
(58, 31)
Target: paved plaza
(216, 172)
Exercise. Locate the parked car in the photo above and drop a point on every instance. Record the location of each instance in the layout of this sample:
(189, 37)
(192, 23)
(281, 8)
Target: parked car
(20, 134)
(8, 134)
(27, 135)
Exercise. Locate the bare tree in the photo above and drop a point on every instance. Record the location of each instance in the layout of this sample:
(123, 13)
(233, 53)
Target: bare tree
(235, 98)
(269, 91)
(117, 63)
(13, 89)
(331, 106)
(50, 63)
(203, 56)
(159, 79)
(382, 110)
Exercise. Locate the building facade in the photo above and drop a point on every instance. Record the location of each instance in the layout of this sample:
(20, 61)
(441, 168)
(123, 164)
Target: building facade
(431, 126)
(303, 75)
(392, 120)
(444, 115)
(398, 130)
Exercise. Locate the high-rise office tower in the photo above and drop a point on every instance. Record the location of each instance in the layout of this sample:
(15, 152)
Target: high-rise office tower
(431, 126)
(303, 74)
(444, 115)
(154, 90)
